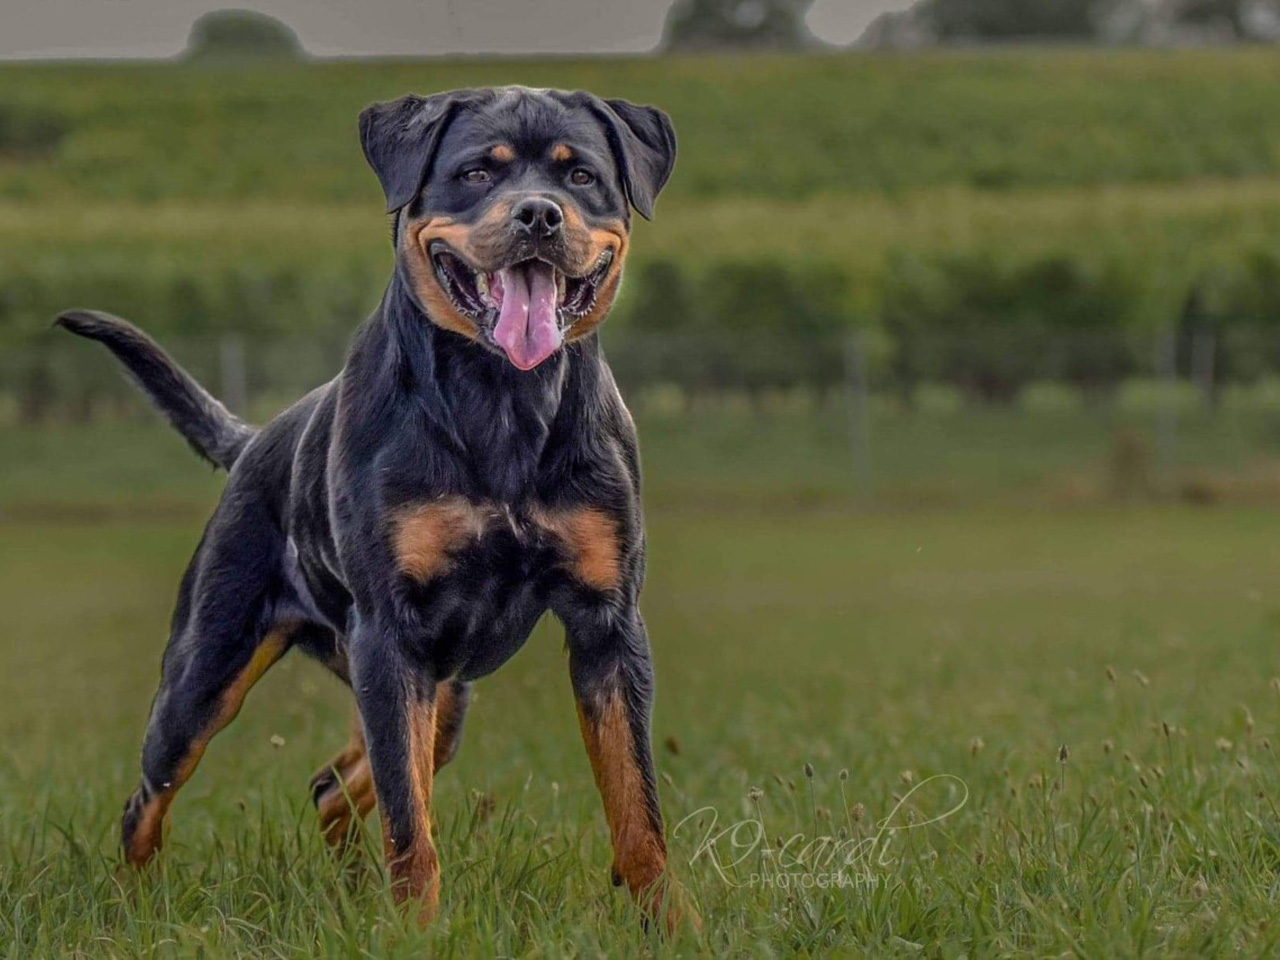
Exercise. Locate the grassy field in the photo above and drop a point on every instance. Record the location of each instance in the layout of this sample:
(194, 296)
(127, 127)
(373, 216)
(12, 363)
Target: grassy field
(900, 646)
(727, 456)
(1005, 712)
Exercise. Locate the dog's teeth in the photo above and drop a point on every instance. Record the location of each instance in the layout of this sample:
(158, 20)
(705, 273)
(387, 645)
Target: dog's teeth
(560, 286)
(482, 284)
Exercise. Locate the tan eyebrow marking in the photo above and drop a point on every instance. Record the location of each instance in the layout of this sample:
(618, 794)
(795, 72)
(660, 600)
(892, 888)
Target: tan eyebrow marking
(561, 151)
(503, 153)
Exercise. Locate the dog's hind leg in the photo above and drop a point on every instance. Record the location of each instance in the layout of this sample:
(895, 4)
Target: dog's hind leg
(224, 638)
(342, 790)
(452, 699)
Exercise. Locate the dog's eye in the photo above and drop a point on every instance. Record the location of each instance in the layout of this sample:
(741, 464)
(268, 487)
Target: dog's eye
(582, 177)
(476, 175)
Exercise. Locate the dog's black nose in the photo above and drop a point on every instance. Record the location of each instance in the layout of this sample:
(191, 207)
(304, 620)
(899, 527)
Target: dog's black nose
(538, 217)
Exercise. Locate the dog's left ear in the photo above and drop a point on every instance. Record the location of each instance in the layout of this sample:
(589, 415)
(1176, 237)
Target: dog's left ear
(400, 138)
(644, 143)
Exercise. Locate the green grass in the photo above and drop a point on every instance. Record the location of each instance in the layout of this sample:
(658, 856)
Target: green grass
(880, 645)
(794, 454)
(897, 645)
(795, 621)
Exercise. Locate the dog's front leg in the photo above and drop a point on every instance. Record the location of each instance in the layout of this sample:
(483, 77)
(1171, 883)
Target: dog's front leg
(398, 710)
(612, 676)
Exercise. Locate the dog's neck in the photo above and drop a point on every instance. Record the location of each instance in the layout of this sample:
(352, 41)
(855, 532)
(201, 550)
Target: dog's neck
(499, 419)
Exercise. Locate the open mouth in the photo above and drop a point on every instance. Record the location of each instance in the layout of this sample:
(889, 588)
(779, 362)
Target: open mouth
(526, 308)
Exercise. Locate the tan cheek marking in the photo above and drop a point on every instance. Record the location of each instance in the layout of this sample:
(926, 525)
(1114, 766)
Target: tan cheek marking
(561, 152)
(590, 537)
(440, 308)
(424, 535)
(600, 241)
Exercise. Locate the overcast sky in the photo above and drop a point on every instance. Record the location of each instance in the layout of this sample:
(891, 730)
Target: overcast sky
(159, 28)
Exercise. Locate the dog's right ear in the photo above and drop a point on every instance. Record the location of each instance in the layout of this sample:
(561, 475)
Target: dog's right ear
(400, 138)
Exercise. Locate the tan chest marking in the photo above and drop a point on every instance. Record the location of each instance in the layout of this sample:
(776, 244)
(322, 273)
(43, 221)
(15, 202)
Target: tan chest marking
(425, 535)
(590, 538)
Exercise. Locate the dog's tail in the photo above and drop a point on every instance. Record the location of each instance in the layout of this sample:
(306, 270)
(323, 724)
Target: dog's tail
(210, 429)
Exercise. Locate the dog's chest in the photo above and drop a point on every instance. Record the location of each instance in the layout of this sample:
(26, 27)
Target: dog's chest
(480, 573)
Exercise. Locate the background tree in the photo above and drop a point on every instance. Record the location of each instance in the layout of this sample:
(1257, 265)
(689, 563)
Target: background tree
(241, 34)
(1010, 19)
(1244, 19)
(729, 24)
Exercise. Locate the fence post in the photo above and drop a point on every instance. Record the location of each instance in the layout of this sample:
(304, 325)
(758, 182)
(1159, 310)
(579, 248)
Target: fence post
(1204, 349)
(235, 384)
(857, 392)
(1167, 416)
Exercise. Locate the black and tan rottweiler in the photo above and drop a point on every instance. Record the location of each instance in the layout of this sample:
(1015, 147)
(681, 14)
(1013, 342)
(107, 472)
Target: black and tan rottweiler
(471, 467)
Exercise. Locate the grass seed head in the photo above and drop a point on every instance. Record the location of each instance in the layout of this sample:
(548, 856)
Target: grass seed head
(976, 745)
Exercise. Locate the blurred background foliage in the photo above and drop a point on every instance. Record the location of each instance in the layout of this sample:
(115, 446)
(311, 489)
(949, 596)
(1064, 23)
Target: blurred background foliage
(986, 220)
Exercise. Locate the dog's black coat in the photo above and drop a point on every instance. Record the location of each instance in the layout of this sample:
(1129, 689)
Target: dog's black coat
(301, 547)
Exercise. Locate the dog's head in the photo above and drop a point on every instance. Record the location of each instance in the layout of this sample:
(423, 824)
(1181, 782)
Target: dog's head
(513, 206)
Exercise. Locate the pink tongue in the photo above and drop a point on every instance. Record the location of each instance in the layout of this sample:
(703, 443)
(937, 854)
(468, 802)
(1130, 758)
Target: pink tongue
(527, 329)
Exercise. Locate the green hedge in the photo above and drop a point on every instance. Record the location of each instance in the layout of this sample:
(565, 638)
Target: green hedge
(983, 325)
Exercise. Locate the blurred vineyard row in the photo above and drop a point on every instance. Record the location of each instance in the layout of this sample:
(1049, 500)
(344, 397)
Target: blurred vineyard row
(773, 127)
(986, 221)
